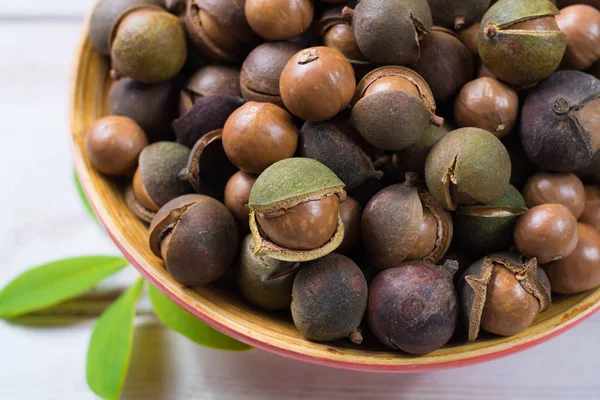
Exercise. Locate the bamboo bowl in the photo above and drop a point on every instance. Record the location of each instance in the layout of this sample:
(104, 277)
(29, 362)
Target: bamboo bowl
(222, 308)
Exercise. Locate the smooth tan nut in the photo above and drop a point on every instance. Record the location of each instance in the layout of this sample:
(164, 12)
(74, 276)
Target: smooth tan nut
(580, 271)
(502, 293)
(581, 24)
(591, 211)
(258, 135)
(279, 19)
(317, 84)
(488, 104)
(547, 232)
(306, 226)
(113, 145)
(557, 188)
(237, 195)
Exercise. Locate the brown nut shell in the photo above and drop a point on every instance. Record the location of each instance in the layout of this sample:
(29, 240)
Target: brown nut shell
(581, 24)
(202, 243)
(391, 225)
(306, 226)
(279, 19)
(144, 214)
(393, 119)
(591, 212)
(351, 213)
(580, 271)
(317, 84)
(558, 188)
(445, 63)
(258, 135)
(208, 168)
(547, 232)
(262, 71)
(502, 291)
(212, 80)
(237, 195)
(488, 104)
(113, 145)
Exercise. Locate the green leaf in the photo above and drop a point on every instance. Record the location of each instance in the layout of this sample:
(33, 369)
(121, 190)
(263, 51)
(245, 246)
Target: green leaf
(47, 285)
(82, 195)
(109, 351)
(185, 323)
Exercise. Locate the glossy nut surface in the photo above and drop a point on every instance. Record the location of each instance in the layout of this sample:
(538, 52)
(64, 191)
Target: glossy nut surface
(258, 135)
(279, 19)
(508, 308)
(317, 83)
(547, 232)
(237, 195)
(581, 24)
(580, 271)
(306, 226)
(113, 145)
(488, 104)
(559, 188)
(350, 212)
(591, 211)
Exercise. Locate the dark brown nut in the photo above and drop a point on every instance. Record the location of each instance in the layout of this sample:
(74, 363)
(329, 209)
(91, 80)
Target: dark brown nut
(405, 222)
(328, 143)
(467, 166)
(486, 228)
(258, 135)
(207, 115)
(337, 32)
(212, 80)
(520, 42)
(317, 84)
(580, 271)
(591, 174)
(469, 38)
(197, 238)
(237, 196)
(388, 31)
(487, 103)
(135, 29)
(522, 167)
(565, 3)
(351, 213)
(262, 70)
(264, 281)
(208, 168)
(157, 181)
(219, 29)
(393, 108)
(414, 308)
(557, 188)
(329, 299)
(547, 232)
(113, 145)
(591, 212)
(294, 210)
(103, 17)
(153, 107)
(412, 159)
(581, 24)
(560, 128)
(279, 19)
(136, 207)
(445, 63)
(456, 14)
(502, 294)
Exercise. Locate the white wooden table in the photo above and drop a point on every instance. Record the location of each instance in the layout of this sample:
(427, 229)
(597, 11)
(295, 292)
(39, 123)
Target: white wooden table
(42, 219)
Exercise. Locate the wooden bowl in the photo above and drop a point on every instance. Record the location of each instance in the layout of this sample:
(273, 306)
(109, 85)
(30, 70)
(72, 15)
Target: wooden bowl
(221, 307)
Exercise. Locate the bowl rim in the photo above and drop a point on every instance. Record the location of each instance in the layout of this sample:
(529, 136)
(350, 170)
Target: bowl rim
(572, 316)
